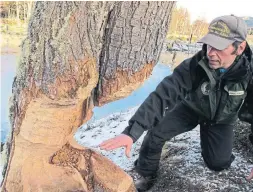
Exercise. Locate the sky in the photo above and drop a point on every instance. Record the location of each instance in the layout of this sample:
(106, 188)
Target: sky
(211, 9)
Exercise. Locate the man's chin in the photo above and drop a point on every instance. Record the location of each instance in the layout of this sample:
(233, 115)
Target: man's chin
(213, 66)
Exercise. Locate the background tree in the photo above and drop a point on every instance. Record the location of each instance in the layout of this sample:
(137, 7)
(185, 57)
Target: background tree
(19, 10)
(199, 27)
(181, 27)
(180, 22)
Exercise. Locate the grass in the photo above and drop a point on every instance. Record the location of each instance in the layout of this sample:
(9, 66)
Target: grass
(182, 37)
(12, 34)
(12, 26)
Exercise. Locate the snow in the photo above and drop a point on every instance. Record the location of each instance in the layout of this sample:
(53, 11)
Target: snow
(94, 132)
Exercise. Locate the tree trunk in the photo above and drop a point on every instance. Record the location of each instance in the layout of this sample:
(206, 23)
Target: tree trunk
(77, 55)
(29, 9)
(17, 12)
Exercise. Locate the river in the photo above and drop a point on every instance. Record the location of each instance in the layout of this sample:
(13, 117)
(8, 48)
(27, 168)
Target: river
(8, 72)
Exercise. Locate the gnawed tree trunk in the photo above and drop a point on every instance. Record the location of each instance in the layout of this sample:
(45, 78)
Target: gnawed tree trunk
(77, 55)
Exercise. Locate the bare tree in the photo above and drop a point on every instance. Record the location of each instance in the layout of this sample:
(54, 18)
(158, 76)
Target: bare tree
(199, 27)
(180, 22)
(29, 9)
(17, 11)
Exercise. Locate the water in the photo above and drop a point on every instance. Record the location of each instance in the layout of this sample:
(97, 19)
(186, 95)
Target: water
(137, 97)
(8, 71)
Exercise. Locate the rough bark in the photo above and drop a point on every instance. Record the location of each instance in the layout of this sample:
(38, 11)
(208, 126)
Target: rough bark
(76, 55)
(134, 37)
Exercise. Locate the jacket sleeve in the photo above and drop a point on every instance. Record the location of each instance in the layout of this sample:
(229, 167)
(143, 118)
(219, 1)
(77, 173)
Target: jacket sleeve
(168, 93)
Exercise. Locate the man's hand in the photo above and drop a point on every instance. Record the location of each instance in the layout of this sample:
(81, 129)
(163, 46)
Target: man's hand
(250, 175)
(118, 141)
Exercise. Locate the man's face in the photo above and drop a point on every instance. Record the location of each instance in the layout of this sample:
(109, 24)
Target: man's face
(220, 58)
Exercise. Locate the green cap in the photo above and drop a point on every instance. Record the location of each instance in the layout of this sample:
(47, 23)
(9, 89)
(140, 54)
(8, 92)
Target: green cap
(225, 30)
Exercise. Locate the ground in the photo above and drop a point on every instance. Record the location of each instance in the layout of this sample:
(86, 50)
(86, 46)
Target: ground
(181, 166)
(188, 173)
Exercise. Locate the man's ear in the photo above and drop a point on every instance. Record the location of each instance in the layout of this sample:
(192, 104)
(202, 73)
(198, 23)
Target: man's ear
(241, 48)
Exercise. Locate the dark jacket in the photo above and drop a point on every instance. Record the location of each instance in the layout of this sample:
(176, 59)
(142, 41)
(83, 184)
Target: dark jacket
(216, 98)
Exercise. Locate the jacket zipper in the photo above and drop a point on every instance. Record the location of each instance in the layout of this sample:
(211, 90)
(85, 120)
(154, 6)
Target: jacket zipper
(164, 112)
(241, 105)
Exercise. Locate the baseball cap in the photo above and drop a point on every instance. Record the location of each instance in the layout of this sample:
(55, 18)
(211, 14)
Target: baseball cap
(225, 30)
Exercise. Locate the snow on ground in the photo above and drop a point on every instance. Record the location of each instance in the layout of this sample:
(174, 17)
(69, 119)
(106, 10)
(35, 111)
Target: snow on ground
(181, 167)
(95, 132)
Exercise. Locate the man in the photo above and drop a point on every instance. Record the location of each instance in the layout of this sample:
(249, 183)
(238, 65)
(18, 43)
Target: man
(208, 89)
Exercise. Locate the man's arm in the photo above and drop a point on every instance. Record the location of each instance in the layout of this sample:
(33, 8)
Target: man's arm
(167, 94)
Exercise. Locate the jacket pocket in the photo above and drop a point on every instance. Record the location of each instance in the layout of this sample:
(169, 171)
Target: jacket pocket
(233, 104)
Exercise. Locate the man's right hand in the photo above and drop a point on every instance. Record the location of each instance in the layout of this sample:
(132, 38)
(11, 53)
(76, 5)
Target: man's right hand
(118, 141)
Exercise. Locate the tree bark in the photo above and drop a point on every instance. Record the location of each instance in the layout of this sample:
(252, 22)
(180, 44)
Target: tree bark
(76, 55)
